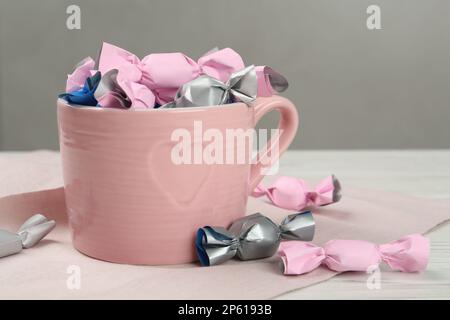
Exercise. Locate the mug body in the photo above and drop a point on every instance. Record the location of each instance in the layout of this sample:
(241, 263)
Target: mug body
(127, 200)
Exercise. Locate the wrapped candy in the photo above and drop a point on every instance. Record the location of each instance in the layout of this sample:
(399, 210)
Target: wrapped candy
(294, 194)
(242, 86)
(109, 93)
(165, 73)
(251, 237)
(159, 79)
(30, 233)
(208, 91)
(409, 254)
(83, 70)
(84, 96)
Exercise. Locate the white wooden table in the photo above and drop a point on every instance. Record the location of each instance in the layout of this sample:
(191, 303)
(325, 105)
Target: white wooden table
(420, 173)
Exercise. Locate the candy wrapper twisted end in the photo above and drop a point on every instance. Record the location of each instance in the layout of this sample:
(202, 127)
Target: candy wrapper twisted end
(29, 234)
(337, 195)
(251, 237)
(409, 254)
(270, 81)
(83, 70)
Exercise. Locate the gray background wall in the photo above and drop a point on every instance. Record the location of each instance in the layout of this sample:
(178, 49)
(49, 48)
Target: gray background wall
(354, 88)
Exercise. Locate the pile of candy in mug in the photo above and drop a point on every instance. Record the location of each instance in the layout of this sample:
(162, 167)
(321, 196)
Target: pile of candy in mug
(119, 79)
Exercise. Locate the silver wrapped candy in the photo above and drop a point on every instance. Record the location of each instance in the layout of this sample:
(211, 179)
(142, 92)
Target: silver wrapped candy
(30, 233)
(208, 91)
(251, 237)
(110, 94)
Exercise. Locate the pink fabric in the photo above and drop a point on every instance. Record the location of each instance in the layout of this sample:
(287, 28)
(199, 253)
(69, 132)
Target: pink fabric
(165, 73)
(409, 254)
(83, 70)
(32, 184)
(294, 194)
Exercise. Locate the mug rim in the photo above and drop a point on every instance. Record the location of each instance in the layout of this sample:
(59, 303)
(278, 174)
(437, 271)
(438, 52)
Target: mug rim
(149, 110)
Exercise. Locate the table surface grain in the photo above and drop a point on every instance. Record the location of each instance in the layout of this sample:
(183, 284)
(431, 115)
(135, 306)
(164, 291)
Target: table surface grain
(424, 173)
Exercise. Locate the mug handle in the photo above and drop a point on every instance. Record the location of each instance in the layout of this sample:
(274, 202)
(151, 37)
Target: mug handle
(287, 128)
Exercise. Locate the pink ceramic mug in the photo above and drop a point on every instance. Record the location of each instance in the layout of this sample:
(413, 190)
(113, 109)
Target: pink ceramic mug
(128, 202)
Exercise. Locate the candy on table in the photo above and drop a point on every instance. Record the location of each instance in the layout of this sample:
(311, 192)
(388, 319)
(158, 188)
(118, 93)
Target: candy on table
(251, 237)
(294, 194)
(409, 254)
(29, 234)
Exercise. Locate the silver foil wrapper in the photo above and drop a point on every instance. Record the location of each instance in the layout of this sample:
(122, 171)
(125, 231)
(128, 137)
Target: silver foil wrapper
(251, 237)
(208, 91)
(110, 94)
(30, 233)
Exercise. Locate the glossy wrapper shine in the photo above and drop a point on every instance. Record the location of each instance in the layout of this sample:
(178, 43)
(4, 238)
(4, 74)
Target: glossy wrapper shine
(30, 233)
(86, 95)
(251, 237)
(242, 86)
(110, 94)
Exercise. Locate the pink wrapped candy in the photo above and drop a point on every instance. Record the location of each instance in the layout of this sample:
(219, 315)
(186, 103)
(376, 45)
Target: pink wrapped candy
(409, 254)
(165, 73)
(294, 194)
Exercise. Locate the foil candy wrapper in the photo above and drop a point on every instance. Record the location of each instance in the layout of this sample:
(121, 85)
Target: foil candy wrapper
(86, 95)
(208, 91)
(242, 86)
(110, 94)
(251, 237)
(29, 234)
